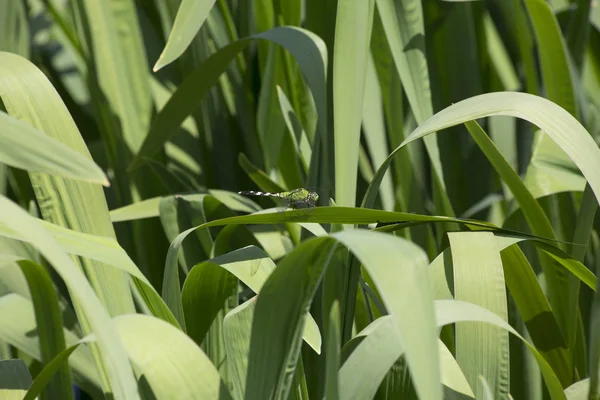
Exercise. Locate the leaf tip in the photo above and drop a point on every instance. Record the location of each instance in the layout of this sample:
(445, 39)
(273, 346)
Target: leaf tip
(159, 63)
(162, 62)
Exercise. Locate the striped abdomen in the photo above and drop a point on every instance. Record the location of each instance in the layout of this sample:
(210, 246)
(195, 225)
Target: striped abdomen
(256, 193)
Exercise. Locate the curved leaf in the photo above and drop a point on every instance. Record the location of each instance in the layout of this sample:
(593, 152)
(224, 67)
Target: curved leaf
(25, 147)
(181, 367)
(190, 17)
(557, 123)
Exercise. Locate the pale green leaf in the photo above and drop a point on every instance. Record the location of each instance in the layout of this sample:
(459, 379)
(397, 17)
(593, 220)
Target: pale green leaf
(122, 382)
(25, 147)
(190, 17)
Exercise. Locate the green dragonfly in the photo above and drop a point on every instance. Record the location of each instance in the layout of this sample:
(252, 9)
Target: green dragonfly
(297, 198)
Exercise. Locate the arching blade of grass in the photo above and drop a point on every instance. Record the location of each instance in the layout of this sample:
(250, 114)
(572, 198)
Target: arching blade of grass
(565, 130)
(25, 147)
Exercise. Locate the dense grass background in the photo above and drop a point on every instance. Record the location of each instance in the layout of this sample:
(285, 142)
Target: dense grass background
(455, 250)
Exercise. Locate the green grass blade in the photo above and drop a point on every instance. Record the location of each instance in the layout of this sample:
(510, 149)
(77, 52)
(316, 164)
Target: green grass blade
(499, 56)
(122, 382)
(105, 250)
(43, 153)
(378, 347)
(487, 390)
(279, 317)
(205, 291)
(269, 122)
(529, 298)
(15, 36)
(142, 209)
(565, 130)
(538, 222)
(550, 170)
(49, 327)
(80, 206)
(149, 208)
(397, 284)
(394, 108)
(578, 390)
(237, 328)
(594, 346)
(479, 279)
(554, 61)
(374, 131)
(404, 29)
(353, 27)
(578, 32)
(333, 353)
(452, 375)
(178, 214)
(41, 380)
(190, 17)
(119, 59)
(295, 130)
(536, 312)
(252, 266)
(181, 367)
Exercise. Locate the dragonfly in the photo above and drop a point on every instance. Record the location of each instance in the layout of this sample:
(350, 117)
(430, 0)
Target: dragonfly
(297, 198)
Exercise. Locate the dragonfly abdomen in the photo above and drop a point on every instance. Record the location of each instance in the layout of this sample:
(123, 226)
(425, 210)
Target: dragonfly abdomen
(297, 198)
(257, 193)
